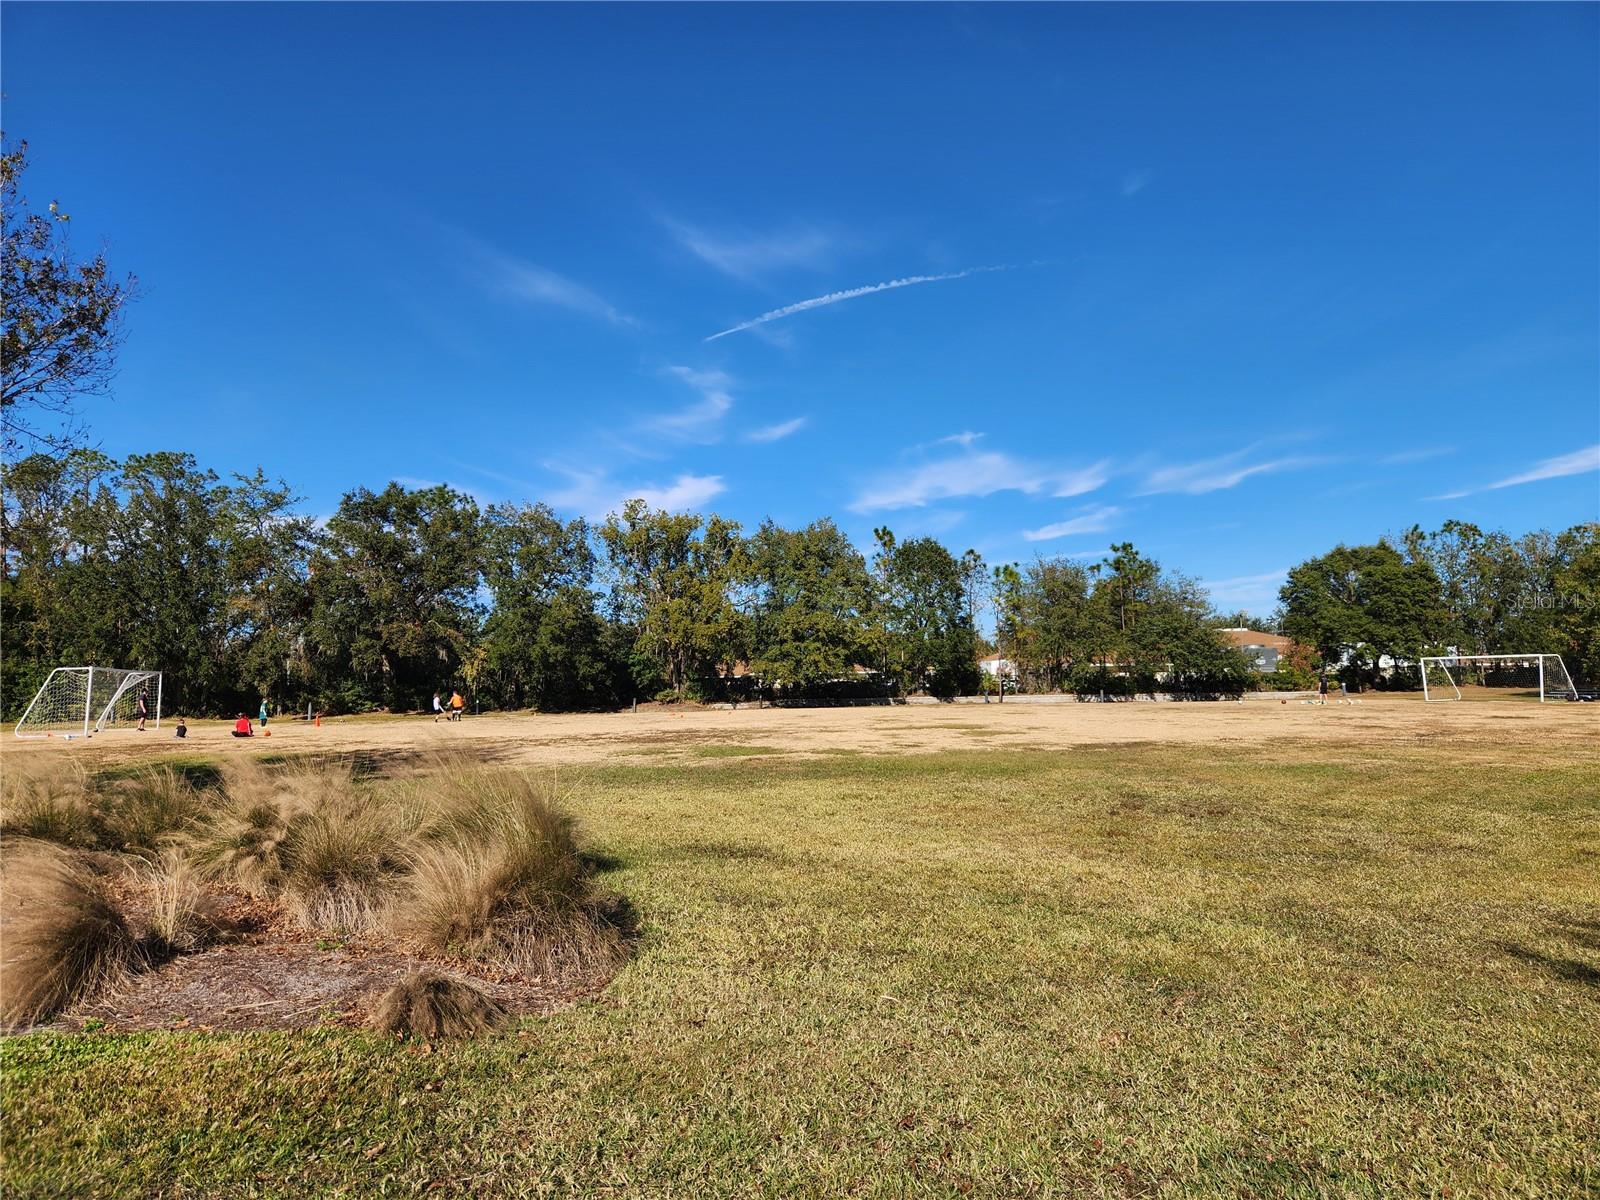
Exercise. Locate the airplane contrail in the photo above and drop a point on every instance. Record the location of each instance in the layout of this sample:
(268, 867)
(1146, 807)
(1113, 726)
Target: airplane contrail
(788, 310)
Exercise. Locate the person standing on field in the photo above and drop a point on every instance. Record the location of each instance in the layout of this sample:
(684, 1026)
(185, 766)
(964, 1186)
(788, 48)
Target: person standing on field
(143, 706)
(457, 703)
(262, 715)
(438, 708)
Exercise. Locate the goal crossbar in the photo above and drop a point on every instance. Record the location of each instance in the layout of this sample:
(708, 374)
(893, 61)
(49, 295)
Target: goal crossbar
(1554, 679)
(83, 701)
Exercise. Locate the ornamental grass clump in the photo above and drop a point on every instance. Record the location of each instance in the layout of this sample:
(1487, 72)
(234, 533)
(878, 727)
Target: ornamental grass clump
(62, 938)
(147, 811)
(180, 914)
(344, 860)
(245, 841)
(429, 1005)
(496, 876)
(49, 799)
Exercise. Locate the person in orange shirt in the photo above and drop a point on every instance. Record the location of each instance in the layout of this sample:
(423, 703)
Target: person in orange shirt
(456, 705)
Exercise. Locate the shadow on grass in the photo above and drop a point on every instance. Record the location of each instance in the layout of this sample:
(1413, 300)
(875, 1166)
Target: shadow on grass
(1573, 970)
(198, 773)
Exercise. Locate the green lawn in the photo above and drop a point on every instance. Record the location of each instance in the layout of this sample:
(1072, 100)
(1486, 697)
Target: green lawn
(1122, 971)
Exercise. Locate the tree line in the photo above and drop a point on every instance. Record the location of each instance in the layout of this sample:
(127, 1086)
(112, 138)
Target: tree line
(223, 585)
(1459, 589)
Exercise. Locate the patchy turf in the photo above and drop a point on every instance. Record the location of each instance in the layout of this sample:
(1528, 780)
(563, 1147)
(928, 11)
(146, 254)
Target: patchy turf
(735, 751)
(1117, 971)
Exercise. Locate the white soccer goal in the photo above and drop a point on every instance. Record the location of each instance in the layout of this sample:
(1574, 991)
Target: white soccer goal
(1443, 675)
(83, 701)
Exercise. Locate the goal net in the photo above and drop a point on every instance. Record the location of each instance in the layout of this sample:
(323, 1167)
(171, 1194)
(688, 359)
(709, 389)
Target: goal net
(1452, 676)
(83, 701)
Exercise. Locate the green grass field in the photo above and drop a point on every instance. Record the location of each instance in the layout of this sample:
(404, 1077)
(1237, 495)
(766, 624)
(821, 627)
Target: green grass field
(1128, 971)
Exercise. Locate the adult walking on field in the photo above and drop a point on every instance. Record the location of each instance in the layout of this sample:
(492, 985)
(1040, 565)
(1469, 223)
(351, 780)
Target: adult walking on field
(143, 706)
(457, 703)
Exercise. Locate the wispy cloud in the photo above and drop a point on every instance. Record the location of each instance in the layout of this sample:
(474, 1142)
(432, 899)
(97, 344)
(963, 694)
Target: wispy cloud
(975, 473)
(1255, 593)
(698, 421)
(517, 279)
(1215, 474)
(963, 439)
(1420, 454)
(1085, 479)
(747, 256)
(1093, 520)
(596, 495)
(790, 310)
(1135, 182)
(1579, 462)
(776, 433)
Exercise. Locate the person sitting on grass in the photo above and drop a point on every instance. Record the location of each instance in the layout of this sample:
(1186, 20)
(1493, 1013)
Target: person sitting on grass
(182, 731)
(241, 727)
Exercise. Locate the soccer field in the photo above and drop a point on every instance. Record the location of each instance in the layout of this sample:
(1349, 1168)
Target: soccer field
(1079, 950)
(658, 733)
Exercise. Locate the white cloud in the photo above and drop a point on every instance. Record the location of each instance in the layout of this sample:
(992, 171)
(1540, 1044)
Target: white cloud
(747, 256)
(1255, 593)
(963, 439)
(975, 473)
(1215, 474)
(684, 492)
(1135, 183)
(790, 310)
(775, 433)
(1579, 462)
(698, 421)
(507, 275)
(596, 495)
(1094, 520)
(1085, 479)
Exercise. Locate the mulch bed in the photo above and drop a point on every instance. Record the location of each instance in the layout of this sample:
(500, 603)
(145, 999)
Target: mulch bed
(264, 972)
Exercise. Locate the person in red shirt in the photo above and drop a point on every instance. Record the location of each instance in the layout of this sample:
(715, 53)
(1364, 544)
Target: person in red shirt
(241, 727)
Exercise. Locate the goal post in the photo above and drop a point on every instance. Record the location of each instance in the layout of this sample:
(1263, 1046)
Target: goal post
(83, 701)
(1443, 674)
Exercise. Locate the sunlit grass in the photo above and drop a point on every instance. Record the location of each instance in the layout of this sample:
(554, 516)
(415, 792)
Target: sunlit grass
(1112, 971)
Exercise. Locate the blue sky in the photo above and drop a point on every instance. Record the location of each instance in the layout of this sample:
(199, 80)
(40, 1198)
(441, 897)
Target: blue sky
(1235, 283)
